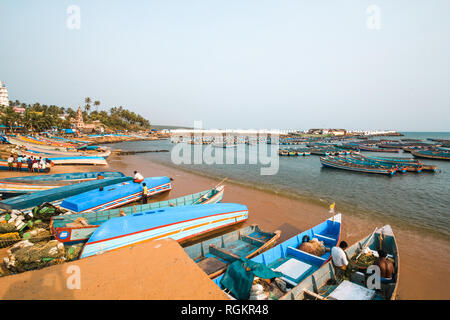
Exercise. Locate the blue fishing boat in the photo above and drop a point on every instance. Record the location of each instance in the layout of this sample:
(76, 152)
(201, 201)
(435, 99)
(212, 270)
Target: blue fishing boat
(324, 284)
(65, 230)
(90, 160)
(431, 154)
(179, 223)
(115, 195)
(29, 184)
(336, 163)
(294, 264)
(214, 255)
(28, 201)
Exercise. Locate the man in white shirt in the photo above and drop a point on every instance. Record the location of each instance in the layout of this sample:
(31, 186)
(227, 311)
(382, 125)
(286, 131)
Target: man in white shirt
(138, 177)
(339, 257)
(10, 163)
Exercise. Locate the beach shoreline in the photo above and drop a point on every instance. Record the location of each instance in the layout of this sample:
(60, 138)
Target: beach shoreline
(273, 211)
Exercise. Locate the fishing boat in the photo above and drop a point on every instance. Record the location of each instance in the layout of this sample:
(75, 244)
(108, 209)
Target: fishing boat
(65, 231)
(431, 154)
(375, 149)
(214, 255)
(179, 223)
(55, 195)
(323, 284)
(100, 161)
(295, 264)
(115, 195)
(336, 163)
(29, 184)
(24, 168)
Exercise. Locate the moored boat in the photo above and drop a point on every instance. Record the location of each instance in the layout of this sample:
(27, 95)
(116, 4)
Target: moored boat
(214, 255)
(337, 163)
(323, 284)
(115, 195)
(294, 264)
(431, 154)
(179, 223)
(66, 231)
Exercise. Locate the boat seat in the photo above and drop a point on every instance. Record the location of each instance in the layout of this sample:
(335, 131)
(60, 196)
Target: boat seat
(211, 265)
(223, 253)
(319, 236)
(252, 240)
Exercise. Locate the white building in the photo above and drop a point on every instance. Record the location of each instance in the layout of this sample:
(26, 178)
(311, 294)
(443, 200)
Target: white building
(4, 100)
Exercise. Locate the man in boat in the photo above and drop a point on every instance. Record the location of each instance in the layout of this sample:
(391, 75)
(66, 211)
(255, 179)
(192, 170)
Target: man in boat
(144, 193)
(99, 177)
(386, 267)
(138, 178)
(340, 260)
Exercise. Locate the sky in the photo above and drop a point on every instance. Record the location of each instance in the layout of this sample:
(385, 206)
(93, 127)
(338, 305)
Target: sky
(288, 64)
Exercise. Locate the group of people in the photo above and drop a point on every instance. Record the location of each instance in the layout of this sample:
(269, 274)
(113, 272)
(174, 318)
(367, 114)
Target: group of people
(138, 178)
(341, 262)
(32, 163)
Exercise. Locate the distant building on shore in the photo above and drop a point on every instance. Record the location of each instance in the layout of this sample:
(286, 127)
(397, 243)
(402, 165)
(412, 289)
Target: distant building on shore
(334, 132)
(4, 100)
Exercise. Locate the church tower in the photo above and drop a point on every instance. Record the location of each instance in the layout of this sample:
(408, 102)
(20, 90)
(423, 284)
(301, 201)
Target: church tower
(80, 123)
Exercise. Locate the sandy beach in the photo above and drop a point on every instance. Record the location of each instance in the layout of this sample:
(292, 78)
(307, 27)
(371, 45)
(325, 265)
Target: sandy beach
(424, 266)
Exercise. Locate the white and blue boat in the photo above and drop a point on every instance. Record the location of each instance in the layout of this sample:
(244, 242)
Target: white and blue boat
(179, 223)
(115, 195)
(295, 264)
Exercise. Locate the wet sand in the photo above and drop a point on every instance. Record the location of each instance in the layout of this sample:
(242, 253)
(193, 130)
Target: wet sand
(425, 261)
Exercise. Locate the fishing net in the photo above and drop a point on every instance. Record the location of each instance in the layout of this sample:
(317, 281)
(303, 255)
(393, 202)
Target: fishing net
(240, 275)
(265, 289)
(37, 235)
(314, 247)
(73, 252)
(45, 211)
(25, 255)
(8, 239)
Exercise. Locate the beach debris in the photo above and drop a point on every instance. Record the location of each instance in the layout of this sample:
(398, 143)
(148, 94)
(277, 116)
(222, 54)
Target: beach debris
(313, 246)
(25, 255)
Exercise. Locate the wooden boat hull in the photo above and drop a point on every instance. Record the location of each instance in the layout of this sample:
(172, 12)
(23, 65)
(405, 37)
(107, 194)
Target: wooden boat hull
(327, 272)
(422, 154)
(27, 201)
(71, 235)
(99, 161)
(178, 223)
(214, 255)
(115, 195)
(338, 165)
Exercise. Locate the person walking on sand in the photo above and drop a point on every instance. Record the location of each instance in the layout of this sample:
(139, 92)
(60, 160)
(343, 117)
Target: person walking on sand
(144, 193)
(138, 178)
(11, 163)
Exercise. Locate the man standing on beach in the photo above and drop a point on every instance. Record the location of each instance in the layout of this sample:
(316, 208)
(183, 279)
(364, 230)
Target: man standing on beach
(30, 164)
(19, 163)
(144, 193)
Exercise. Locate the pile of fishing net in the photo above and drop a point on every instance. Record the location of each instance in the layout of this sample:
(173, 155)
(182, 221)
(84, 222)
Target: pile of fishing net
(314, 247)
(26, 255)
(73, 252)
(267, 289)
(8, 239)
(45, 211)
(366, 258)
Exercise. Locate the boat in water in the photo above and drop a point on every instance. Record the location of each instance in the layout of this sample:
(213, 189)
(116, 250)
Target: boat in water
(339, 163)
(431, 154)
(64, 229)
(286, 258)
(115, 195)
(214, 255)
(179, 223)
(323, 284)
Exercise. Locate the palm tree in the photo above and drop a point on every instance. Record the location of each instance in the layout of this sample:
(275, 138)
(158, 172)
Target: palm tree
(96, 103)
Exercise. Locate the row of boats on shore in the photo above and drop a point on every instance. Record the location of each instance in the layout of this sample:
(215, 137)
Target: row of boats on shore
(89, 210)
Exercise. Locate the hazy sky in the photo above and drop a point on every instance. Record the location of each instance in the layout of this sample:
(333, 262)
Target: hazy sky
(237, 63)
